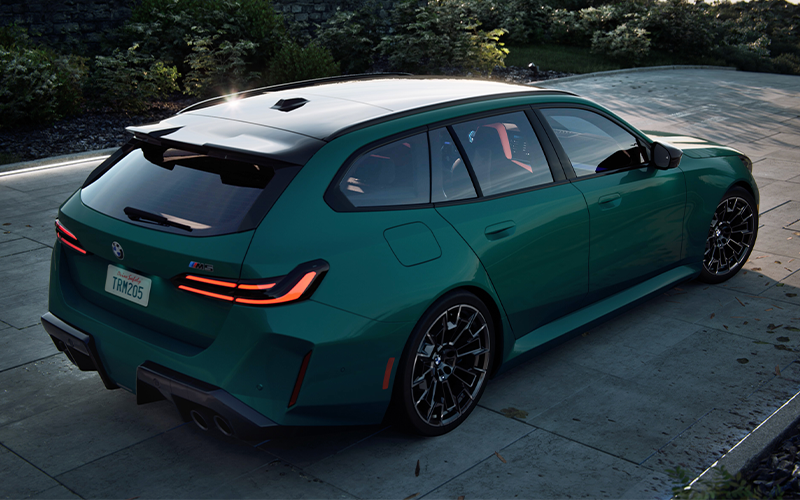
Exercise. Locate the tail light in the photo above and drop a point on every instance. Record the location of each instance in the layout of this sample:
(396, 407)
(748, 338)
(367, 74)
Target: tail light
(67, 238)
(297, 285)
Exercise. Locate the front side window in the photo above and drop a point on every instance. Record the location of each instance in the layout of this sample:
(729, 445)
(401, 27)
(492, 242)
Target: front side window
(593, 143)
(397, 173)
(504, 153)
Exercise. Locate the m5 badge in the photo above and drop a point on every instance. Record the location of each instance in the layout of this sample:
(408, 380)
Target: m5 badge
(201, 266)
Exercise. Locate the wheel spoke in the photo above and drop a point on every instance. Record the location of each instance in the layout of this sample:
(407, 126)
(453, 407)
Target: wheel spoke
(450, 366)
(730, 236)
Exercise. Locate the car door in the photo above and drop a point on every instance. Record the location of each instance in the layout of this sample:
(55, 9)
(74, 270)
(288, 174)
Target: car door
(635, 209)
(528, 225)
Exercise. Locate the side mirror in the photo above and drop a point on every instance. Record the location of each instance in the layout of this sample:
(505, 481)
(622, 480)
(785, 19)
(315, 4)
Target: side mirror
(666, 156)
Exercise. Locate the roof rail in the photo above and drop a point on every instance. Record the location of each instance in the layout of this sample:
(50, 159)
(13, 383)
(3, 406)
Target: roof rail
(289, 86)
(442, 105)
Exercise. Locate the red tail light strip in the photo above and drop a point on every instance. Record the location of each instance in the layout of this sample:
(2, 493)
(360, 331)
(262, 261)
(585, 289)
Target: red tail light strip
(265, 286)
(62, 233)
(294, 294)
(300, 377)
(79, 249)
(297, 285)
(207, 294)
(60, 227)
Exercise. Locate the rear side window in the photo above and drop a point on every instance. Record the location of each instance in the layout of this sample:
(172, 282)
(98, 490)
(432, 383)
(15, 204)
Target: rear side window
(186, 193)
(504, 153)
(394, 174)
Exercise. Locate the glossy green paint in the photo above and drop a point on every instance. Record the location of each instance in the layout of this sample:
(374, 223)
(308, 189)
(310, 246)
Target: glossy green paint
(412, 244)
(539, 263)
(533, 257)
(596, 313)
(707, 181)
(254, 347)
(159, 256)
(636, 217)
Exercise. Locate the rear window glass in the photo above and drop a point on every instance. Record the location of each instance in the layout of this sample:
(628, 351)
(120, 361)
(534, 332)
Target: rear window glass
(182, 192)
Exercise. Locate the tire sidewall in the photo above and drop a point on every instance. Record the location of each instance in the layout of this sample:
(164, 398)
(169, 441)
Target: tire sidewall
(738, 192)
(403, 382)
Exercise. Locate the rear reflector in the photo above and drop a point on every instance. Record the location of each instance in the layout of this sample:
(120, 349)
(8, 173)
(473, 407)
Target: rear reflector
(297, 285)
(388, 374)
(299, 382)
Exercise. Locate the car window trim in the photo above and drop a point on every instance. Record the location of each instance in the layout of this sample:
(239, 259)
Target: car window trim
(467, 163)
(339, 203)
(566, 163)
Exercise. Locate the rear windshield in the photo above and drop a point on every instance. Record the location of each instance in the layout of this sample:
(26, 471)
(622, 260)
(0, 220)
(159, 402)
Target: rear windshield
(186, 193)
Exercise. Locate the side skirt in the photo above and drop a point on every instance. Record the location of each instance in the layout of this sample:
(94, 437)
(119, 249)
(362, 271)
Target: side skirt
(564, 328)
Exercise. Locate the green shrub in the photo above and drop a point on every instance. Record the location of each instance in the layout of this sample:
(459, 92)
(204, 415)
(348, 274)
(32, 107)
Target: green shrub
(680, 27)
(352, 36)
(525, 21)
(788, 64)
(36, 84)
(579, 27)
(128, 80)
(624, 43)
(216, 44)
(439, 35)
(218, 68)
(294, 63)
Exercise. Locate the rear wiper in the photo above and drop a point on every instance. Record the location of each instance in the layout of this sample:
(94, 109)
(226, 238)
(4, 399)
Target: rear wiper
(141, 215)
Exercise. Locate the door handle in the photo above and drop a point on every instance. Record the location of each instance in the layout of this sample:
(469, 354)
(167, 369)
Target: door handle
(500, 230)
(609, 201)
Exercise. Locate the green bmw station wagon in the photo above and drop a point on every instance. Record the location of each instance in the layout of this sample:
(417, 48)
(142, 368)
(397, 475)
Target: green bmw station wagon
(307, 254)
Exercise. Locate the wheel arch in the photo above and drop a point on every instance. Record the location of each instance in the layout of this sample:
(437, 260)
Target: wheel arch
(497, 319)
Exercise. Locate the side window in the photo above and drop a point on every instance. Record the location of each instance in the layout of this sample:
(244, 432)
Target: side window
(449, 176)
(397, 173)
(504, 153)
(593, 143)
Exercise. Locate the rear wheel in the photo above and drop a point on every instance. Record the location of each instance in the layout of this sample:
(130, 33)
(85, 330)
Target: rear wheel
(731, 236)
(447, 363)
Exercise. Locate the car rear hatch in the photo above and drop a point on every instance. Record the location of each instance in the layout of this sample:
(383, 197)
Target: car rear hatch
(151, 219)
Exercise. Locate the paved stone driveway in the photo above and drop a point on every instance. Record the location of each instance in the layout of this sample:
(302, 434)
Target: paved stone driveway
(676, 381)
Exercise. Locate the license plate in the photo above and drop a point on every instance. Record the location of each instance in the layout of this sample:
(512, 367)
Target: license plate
(128, 285)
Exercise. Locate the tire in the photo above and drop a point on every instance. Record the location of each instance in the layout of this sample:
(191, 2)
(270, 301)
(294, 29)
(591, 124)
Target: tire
(446, 364)
(731, 236)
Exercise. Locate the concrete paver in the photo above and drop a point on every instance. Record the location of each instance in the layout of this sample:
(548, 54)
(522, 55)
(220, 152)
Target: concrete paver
(676, 381)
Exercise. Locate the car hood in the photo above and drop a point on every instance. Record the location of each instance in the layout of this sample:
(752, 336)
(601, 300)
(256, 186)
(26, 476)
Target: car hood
(693, 147)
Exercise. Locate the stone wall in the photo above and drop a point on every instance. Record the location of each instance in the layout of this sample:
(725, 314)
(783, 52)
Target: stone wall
(76, 24)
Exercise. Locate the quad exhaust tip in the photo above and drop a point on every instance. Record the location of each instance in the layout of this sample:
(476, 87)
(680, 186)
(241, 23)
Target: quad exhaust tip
(199, 419)
(203, 419)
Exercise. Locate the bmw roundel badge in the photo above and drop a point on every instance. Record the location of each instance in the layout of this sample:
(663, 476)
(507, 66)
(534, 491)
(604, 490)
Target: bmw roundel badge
(117, 249)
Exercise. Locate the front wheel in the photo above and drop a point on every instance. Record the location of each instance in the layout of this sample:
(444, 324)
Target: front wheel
(731, 236)
(446, 364)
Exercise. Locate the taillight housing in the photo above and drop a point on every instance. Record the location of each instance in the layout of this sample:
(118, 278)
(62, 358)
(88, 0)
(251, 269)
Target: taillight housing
(299, 284)
(69, 239)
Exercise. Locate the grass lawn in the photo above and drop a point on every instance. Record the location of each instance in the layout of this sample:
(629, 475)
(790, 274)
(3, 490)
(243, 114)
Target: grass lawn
(571, 59)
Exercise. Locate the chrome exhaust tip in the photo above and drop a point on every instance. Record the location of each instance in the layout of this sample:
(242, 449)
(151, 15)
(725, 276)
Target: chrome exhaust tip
(199, 419)
(223, 425)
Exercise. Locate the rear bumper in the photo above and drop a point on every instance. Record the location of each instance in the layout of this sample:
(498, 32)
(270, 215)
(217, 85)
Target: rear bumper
(194, 399)
(78, 346)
